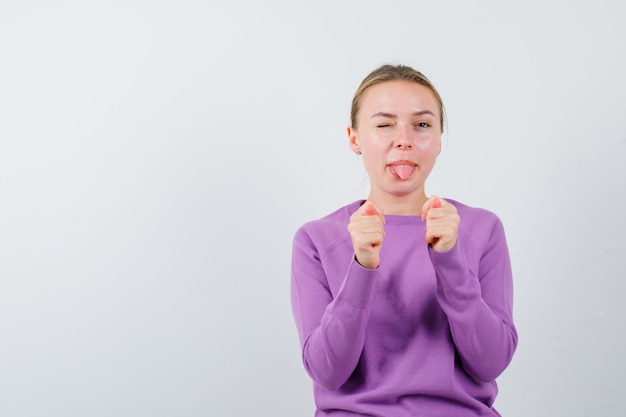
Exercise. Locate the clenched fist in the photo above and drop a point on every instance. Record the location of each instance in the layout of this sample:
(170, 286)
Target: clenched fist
(442, 224)
(367, 231)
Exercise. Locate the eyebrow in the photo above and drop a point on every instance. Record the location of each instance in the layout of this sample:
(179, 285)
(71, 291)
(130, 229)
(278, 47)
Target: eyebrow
(393, 116)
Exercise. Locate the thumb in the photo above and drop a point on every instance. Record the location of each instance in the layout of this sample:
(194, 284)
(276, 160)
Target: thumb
(431, 203)
(369, 210)
(436, 203)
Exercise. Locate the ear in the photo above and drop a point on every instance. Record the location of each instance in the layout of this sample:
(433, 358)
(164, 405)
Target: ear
(353, 139)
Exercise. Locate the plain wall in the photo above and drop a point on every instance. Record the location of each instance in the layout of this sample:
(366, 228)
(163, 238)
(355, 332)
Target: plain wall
(156, 158)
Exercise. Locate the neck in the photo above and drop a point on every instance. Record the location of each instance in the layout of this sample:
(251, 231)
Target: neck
(402, 205)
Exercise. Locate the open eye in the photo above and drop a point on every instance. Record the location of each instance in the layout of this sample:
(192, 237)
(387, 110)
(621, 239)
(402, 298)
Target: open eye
(422, 124)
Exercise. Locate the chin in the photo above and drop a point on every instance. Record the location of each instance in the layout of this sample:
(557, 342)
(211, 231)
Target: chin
(403, 191)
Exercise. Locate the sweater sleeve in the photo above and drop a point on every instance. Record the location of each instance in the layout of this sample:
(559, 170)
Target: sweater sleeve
(479, 303)
(331, 329)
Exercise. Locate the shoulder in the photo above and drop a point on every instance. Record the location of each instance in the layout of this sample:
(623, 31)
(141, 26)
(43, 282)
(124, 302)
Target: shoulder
(477, 224)
(476, 214)
(328, 230)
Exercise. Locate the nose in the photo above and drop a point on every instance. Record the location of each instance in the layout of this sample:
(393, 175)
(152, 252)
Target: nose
(404, 140)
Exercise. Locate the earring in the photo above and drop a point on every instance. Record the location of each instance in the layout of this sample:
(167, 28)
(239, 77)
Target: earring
(358, 152)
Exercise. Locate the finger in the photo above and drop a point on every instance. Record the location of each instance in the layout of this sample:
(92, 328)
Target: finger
(374, 226)
(435, 203)
(371, 224)
(369, 210)
(427, 206)
(368, 240)
(431, 239)
(363, 222)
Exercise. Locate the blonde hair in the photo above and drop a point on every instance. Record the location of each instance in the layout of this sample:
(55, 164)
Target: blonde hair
(392, 73)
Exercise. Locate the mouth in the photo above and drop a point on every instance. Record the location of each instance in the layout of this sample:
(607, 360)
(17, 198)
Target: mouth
(402, 169)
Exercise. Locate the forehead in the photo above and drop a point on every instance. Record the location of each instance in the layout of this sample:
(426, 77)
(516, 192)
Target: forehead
(398, 96)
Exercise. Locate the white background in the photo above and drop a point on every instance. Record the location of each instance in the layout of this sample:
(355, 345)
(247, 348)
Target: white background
(156, 158)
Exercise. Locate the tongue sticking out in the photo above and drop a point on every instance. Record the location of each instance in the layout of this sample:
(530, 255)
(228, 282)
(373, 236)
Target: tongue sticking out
(402, 171)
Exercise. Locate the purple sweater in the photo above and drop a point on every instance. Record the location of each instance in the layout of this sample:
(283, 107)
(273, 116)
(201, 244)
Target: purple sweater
(424, 334)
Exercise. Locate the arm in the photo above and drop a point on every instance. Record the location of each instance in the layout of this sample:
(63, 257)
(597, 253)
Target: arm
(331, 329)
(479, 303)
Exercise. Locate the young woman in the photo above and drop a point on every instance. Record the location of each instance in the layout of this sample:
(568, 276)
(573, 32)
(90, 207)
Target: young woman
(403, 302)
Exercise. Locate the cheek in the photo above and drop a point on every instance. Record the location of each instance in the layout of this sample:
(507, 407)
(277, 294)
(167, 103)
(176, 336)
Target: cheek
(429, 148)
(375, 147)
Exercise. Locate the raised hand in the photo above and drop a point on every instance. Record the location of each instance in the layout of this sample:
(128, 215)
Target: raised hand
(442, 224)
(367, 230)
